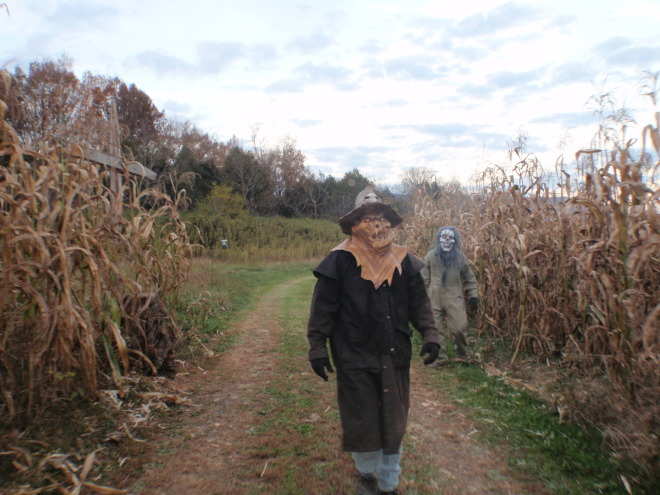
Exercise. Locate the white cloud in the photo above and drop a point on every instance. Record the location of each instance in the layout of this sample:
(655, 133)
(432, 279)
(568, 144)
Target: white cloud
(381, 85)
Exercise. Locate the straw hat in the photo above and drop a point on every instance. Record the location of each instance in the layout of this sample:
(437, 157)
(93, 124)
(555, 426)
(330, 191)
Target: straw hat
(368, 203)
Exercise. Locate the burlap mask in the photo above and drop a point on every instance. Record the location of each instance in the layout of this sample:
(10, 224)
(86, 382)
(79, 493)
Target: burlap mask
(371, 239)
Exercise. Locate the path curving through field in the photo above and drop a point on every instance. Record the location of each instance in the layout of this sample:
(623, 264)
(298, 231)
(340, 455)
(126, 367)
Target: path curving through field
(211, 447)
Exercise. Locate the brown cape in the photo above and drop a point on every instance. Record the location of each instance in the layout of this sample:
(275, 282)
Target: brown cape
(375, 267)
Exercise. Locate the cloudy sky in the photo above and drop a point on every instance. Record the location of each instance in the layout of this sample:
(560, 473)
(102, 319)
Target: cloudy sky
(381, 85)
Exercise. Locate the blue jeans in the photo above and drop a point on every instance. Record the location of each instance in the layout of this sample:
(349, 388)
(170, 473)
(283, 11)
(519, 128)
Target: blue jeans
(385, 467)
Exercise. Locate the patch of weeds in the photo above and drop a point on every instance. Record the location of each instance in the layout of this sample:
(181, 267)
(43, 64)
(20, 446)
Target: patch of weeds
(304, 429)
(265, 411)
(226, 342)
(227, 291)
(567, 458)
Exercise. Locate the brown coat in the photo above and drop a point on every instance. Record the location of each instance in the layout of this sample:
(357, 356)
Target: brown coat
(370, 341)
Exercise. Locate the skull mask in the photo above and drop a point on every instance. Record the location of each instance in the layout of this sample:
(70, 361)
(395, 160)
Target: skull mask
(369, 197)
(446, 239)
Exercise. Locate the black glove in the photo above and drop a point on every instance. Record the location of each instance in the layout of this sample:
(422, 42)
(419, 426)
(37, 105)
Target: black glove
(473, 302)
(320, 365)
(432, 349)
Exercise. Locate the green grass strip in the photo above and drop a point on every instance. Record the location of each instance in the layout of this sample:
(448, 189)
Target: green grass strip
(567, 459)
(229, 291)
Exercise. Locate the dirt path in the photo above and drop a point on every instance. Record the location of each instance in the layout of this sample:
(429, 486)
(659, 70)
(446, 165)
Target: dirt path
(208, 449)
(464, 466)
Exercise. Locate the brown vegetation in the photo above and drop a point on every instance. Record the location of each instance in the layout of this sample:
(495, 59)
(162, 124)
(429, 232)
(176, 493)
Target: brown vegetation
(572, 276)
(73, 249)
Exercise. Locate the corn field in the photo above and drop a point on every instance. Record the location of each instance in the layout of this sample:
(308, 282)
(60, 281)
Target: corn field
(80, 263)
(571, 275)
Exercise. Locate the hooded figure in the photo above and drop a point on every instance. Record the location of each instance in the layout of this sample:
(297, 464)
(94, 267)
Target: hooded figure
(367, 292)
(447, 274)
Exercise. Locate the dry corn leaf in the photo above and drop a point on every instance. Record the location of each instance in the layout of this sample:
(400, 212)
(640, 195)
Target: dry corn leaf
(103, 490)
(88, 465)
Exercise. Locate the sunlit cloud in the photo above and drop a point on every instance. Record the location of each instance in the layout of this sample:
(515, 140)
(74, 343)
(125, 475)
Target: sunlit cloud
(310, 44)
(160, 63)
(368, 84)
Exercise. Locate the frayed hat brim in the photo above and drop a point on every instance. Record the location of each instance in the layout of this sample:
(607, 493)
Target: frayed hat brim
(351, 218)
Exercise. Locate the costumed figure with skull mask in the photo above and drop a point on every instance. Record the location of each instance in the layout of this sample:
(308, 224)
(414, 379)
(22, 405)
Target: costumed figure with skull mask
(367, 292)
(448, 275)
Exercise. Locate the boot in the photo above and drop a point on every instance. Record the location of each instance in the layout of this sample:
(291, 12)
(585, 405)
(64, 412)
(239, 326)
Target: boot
(366, 484)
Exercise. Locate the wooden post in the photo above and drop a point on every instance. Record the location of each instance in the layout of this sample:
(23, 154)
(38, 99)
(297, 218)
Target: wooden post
(114, 149)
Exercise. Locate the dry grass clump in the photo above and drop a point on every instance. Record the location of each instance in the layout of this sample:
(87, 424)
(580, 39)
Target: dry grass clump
(72, 251)
(572, 275)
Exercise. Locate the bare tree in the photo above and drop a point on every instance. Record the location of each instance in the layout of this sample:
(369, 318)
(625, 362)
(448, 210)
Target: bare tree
(314, 193)
(246, 176)
(416, 178)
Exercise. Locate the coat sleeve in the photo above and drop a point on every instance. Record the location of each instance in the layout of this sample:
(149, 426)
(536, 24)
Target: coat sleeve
(420, 312)
(325, 303)
(468, 279)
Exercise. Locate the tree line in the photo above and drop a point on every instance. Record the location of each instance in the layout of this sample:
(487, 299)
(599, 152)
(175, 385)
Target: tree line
(49, 105)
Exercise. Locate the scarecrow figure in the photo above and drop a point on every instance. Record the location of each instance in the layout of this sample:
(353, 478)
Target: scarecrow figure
(367, 292)
(447, 274)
